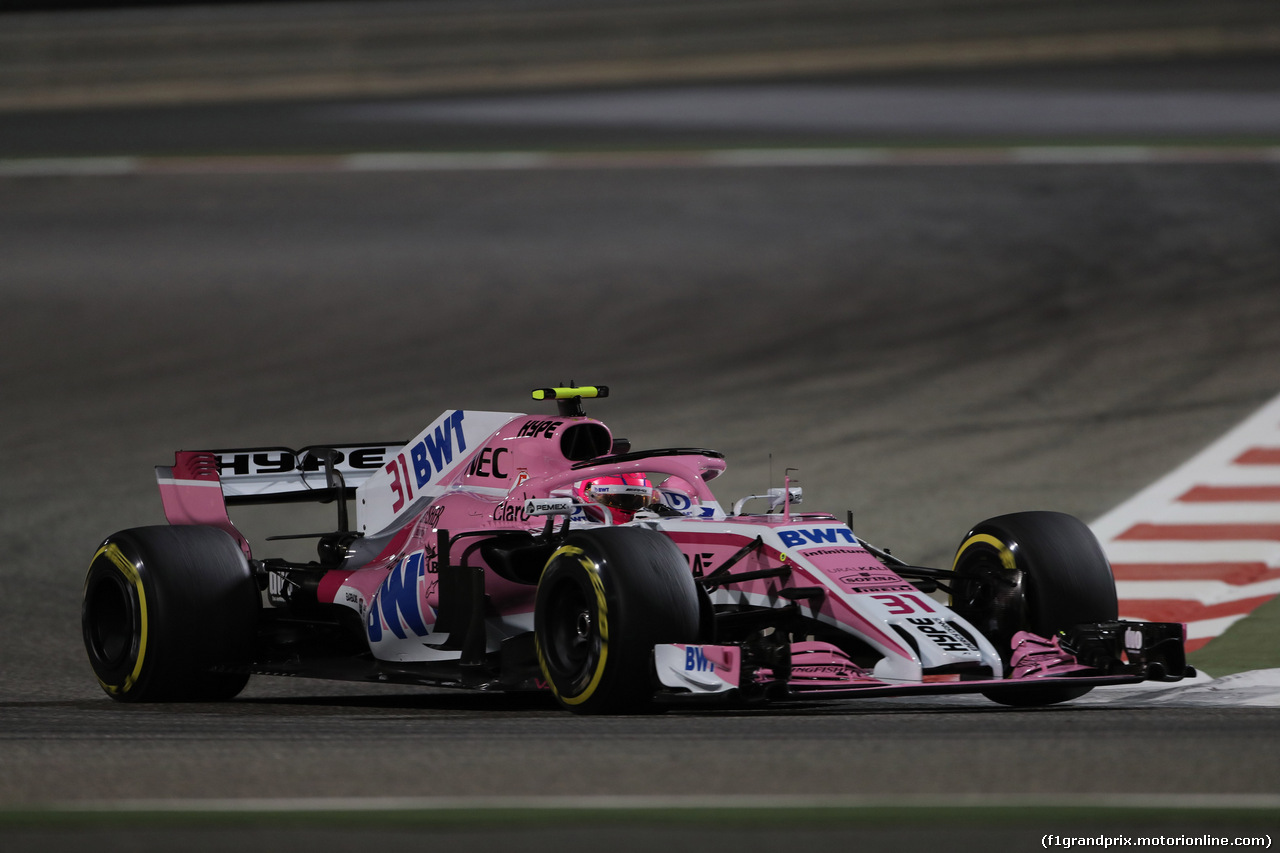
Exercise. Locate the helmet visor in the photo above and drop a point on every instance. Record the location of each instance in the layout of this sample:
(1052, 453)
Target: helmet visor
(621, 497)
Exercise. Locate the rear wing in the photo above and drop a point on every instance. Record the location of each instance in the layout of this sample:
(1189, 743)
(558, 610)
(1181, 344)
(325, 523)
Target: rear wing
(200, 484)
(392, 480)
(281, 475)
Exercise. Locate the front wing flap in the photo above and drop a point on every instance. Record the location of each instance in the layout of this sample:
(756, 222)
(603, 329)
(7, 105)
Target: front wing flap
(1095, 654)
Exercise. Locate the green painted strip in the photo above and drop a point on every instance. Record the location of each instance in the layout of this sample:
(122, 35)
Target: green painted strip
(1252, 643)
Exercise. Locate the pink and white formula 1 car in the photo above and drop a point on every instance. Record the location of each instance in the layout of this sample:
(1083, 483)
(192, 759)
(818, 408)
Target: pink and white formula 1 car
(500, 551)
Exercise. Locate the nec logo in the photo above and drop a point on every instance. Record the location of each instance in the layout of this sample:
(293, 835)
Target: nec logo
(817, 536)
(488, 463)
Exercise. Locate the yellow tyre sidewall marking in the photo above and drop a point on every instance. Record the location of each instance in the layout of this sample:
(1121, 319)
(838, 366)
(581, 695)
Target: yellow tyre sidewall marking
(126, 567)
(1007, 558)
(597, 583)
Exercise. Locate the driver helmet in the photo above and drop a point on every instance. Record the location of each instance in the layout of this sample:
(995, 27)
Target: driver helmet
(623, 496)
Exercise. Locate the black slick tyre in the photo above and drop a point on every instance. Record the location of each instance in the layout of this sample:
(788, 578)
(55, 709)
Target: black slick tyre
(1041, 572)
(162, 607)
(605, 598)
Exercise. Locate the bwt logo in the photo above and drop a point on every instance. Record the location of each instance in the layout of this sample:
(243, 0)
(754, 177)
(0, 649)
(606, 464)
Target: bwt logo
(696, 661)
(397, 601)
(437, 447)
(817, 536)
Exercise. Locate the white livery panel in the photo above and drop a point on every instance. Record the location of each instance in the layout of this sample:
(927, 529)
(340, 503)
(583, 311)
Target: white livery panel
(414, 476)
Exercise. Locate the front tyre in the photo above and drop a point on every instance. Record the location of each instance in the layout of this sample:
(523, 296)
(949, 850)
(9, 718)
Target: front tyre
(1040, 572)
(605, 598)
(162, 607)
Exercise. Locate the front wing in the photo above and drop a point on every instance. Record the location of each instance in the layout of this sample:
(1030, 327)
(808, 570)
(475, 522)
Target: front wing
(1090, 655)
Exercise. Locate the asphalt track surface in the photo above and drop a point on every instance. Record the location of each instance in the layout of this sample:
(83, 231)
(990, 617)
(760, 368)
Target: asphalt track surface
(928, 346)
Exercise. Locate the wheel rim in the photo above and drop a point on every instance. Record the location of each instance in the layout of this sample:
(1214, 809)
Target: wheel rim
(572, 642)
(990, 596)
(110, 621)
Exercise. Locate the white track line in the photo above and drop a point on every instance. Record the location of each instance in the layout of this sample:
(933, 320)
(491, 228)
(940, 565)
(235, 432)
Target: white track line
(771, 802)
(411, 161)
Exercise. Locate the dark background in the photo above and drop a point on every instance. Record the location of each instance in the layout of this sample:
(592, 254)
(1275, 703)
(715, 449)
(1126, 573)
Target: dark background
(929, 345)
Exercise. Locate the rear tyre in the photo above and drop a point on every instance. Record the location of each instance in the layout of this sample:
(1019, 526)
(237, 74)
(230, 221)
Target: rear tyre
(1041, 572)
(605, 598)
(162, 606)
